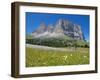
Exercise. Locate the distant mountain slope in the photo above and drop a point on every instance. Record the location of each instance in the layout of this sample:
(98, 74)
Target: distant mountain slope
(63, 33)
(62, 28)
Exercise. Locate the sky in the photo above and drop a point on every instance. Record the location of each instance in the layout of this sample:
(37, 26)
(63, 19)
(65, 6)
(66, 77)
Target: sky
(33, 21)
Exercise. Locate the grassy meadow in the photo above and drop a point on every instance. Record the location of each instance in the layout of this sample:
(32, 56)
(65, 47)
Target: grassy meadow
(40, 57)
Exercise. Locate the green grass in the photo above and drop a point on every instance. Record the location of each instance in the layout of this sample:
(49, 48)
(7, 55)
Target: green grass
(38, 57)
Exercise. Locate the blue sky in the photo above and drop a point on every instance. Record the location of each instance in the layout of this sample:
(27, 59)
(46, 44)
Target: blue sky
(33, 20)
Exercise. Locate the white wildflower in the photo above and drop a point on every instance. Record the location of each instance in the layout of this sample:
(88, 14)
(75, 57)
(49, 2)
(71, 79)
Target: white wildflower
(85, 56)
(71, 55)
(65, 57)
(44, 63)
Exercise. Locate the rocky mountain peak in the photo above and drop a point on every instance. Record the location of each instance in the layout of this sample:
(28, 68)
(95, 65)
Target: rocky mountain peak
(50, 28)
(61, 28)
(41, 29)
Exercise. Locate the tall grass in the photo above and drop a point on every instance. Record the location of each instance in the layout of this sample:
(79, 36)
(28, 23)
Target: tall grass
(38, 57)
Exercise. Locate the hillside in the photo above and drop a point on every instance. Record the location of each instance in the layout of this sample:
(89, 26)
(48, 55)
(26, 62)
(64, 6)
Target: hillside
(63, 34)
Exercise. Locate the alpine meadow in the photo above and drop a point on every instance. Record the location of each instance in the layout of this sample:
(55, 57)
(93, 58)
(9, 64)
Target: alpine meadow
(57, 39)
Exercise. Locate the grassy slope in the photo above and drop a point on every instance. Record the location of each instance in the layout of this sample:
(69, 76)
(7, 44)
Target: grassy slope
(38, 57)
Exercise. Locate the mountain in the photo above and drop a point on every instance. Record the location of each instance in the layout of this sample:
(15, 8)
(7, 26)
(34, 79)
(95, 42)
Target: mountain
(40, 30)
(50, 28)
(62, 28)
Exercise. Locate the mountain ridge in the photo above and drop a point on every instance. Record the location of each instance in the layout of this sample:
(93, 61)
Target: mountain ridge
(62, 28)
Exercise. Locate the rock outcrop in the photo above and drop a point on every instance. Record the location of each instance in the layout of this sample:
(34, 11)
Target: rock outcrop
(61, 28)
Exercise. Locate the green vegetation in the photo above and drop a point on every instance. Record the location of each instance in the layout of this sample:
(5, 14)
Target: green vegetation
(28, 36)
(39, 57)
(58, 42)
(77, 52)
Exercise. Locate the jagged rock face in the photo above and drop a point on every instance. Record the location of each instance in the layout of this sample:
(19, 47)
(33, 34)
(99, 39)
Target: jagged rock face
(78, 33)
(58, 27)
(41, 29)
(50, 28)
(73, 30)
(61, 28)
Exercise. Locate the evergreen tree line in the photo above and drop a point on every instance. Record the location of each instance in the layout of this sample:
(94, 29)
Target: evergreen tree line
(57, 42)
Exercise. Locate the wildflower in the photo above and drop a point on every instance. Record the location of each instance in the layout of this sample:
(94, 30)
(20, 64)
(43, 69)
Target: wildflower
(44, 63)
(65, 57)
(84, 56)
(71, 55)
